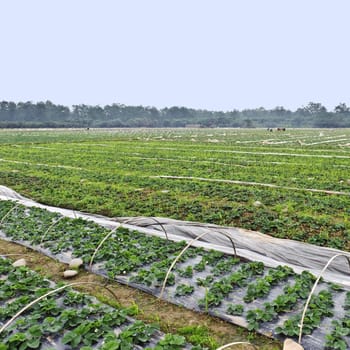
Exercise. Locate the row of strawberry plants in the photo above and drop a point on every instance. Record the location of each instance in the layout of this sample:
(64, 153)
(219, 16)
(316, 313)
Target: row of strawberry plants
(226, 135)
(134, 250)
(82, 237)
(341, 328)
(147, 256)
(263, 285)
(84, 161)
(320, 306)
(73, 320)
(144, 260)
(282, 213)
(103, 173)
(221, 288)
(283, 303)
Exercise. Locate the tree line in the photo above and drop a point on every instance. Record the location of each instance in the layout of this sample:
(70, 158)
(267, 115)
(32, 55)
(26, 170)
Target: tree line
(48, 114)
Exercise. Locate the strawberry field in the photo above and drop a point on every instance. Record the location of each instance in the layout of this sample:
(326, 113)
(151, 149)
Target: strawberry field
(68, 319)
(121, 173)
(268, 300)
(292, 184)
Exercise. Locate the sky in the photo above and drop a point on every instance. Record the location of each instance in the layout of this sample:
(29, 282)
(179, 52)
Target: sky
(216, 55)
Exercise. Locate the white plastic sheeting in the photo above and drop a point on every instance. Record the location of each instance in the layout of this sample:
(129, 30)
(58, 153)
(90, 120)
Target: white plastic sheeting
(250, 245)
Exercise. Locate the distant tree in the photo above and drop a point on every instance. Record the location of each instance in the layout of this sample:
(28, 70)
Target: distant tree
(248, 123)
(152, 113)
(81, 115)
(341, 108)
(5, 111)
(177, 113)
(40, 111)
(315, 108)
(280, 111)
(25, 111)
(48, 114)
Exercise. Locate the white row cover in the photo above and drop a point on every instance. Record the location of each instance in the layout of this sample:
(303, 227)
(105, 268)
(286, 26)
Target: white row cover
(250, 245)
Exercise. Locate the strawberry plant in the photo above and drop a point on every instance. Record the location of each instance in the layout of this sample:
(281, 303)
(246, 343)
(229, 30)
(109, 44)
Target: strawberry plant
(347, 301)
(263, 285)
(224, 266)
(257, 289)
(184, 289)
(170, 342)
(205, 282)
(187, 272)
(319, 307)
(335, 340)
(254, 317)
(235, 309)
(341, 329)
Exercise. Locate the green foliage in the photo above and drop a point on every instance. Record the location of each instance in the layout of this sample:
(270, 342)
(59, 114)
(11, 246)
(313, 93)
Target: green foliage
(77, 172)
(187, 272)
(335, 340)
(320, 306)
(79, 320)
(235, 309)
(254, 317)
(199, 335)
(262, 286)
(171, 342)
(77, 169)
(184, 289)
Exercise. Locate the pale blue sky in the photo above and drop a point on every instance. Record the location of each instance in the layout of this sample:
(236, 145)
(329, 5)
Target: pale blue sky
(219, 54)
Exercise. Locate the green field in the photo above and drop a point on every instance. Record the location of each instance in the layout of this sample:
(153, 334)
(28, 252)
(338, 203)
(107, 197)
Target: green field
(293, 184)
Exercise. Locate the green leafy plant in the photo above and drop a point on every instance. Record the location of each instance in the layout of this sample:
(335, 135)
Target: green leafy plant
(235, 309)
(184, 289)
(199, 335)
(171, 342)
(187, 272)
